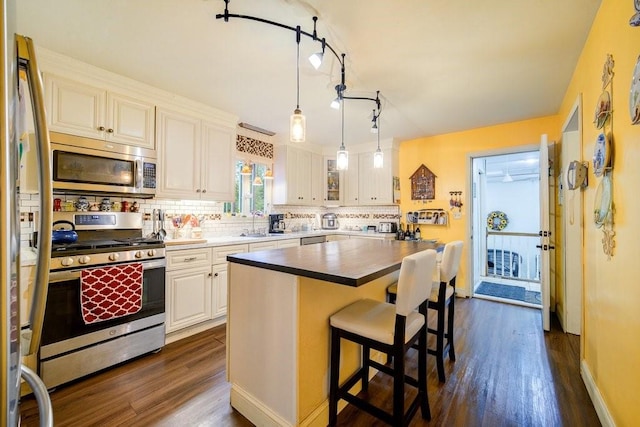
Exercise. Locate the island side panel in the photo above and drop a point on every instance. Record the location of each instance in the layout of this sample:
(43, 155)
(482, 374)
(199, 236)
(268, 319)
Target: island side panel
(262, 344)
(318, 300)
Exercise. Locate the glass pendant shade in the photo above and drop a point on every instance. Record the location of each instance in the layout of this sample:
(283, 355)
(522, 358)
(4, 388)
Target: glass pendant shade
(378, 159)
(342, 158)
(268, 174)
(335, 104)
(246, 169)
(257, 181)
(298, 126)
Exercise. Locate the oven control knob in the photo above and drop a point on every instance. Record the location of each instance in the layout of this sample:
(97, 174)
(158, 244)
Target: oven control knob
(139, 254)
(114, 257)
(84, 259)
(66, 262)
(152, 252)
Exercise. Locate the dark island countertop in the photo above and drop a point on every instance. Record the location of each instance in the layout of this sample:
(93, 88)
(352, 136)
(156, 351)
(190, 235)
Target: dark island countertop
(346, 262)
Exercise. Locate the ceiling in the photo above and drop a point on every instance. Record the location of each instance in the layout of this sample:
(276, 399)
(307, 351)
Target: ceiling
(440, 65)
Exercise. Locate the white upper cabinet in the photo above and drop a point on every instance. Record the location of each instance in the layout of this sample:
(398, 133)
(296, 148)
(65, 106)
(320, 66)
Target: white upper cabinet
(376, 185)
(195, 157)
(293, 176)
(351, 178)
(94, 112)
(317, 187)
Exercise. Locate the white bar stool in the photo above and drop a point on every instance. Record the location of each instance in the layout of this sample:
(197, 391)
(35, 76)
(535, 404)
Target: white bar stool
(391, 329)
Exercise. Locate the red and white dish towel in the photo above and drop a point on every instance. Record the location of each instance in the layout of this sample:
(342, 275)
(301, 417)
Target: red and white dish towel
(110, 292)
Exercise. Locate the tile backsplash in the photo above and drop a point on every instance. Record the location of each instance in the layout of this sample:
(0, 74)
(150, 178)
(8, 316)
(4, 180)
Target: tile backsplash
(214, 222)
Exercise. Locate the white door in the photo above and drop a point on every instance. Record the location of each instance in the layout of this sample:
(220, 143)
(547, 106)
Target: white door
(546, 232)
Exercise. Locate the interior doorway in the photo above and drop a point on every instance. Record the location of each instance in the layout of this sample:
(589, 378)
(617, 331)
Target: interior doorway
(506, 224)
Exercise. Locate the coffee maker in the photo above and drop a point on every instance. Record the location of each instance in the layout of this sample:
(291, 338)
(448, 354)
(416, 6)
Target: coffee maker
(276, 223)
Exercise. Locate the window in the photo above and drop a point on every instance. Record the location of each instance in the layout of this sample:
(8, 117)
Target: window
(251, 194)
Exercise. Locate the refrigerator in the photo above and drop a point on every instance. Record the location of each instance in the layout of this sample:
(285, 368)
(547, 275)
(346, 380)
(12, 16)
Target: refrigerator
(17, 55)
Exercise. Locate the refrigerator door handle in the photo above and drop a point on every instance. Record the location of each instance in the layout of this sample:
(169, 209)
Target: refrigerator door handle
(27, 61)
(42, 396)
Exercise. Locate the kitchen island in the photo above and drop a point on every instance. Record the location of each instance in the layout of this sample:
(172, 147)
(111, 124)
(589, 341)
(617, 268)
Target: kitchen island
(279, 304)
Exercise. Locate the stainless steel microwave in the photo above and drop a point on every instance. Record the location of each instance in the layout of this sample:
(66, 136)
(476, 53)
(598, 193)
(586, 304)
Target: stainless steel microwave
(84, 165)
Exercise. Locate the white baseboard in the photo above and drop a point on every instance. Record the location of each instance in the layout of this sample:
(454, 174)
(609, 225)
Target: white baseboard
(598, 402)
(254, 410)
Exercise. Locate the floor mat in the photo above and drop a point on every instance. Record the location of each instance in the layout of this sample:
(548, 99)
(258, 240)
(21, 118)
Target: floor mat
(517, 293)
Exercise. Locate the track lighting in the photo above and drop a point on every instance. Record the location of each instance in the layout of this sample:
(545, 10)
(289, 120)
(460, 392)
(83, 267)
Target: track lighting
(298, 122)
(342, 157)
(378, 156)
(374, 127)
(316, 58)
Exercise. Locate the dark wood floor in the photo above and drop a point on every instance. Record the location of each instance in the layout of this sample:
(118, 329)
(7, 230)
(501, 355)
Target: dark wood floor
(507, 373)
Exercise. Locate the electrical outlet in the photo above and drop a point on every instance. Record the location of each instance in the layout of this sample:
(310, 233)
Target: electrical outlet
(457, 215)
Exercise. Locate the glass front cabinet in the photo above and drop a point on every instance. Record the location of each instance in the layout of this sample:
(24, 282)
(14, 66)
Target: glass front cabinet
(334, 182)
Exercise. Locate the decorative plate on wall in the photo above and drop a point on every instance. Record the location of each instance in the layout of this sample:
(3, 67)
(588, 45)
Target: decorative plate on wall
(634, 95)
(603, 109)
(601, 154)
(602, 202)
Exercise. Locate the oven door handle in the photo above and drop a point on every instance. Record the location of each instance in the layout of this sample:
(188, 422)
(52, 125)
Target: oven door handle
(66, 275)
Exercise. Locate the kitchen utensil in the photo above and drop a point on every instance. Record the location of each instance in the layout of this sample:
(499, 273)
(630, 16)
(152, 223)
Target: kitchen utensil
(64, 236)
(330, 221)
(161, 232)
(154, 219)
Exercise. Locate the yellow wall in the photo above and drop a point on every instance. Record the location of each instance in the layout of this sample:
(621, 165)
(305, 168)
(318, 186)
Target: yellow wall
(612, 287)
(447, 157)
(611, 305)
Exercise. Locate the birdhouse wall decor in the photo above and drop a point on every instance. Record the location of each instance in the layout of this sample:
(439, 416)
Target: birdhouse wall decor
(423, 184)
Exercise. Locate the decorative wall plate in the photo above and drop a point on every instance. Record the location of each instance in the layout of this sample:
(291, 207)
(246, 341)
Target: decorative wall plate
(602, 202)
(634, 95)
(603, 109)
(601, 154)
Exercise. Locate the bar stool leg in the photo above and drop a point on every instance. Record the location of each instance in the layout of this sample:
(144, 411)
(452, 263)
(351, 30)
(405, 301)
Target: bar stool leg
(452, 352)
(366, 353)
(398, 388)
(422, 376)
(440, 345)
(334, 377)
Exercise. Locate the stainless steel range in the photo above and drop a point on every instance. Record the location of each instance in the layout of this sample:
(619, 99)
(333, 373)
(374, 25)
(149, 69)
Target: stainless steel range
(106, 297)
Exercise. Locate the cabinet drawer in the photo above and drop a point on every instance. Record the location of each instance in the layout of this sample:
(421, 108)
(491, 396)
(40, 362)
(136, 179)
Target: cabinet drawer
(220, 253)
(262, 246)
(188, 258)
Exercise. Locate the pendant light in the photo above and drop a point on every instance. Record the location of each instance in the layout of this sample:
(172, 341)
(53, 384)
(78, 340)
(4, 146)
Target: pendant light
(378, 156)
(507, 177)
(298, 121)
(342, 157)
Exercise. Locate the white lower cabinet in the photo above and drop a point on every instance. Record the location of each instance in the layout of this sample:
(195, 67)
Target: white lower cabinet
(188, 297)
(188, 288)
(219, 275)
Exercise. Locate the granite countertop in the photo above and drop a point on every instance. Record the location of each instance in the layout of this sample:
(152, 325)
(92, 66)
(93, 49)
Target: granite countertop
(346, 262)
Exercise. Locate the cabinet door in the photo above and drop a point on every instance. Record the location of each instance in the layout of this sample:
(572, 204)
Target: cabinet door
(375, 185)
(189, 299)
(219, 289)
(317, 179)
(333, 183)
(74, 108)
(179, 150)
(218, 144)
(130, 121)
(292, 183)
(351, 181)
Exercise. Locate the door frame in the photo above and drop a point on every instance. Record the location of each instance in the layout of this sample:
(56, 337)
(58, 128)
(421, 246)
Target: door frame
(470, 261)
(571, 313)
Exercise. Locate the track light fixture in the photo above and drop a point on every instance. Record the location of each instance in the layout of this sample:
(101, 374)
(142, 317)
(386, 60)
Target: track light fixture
(297, 122)
(374, 127)
(378, 156)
